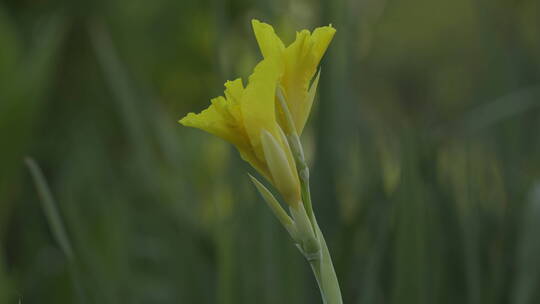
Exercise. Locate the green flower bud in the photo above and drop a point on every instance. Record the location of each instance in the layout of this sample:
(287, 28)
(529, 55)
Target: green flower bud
(284, 178)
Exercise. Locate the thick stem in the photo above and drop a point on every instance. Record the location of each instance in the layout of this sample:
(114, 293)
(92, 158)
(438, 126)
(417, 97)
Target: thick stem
(316, 267)
(323, 270)
(319, 258)
(328, 275)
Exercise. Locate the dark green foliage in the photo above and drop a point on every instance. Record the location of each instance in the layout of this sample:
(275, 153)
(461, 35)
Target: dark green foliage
(424, 143)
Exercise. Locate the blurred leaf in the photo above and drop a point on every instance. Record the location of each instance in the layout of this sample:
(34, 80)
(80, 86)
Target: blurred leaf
(10, 50)
(21, 99)
(50, 208)
(525, 288)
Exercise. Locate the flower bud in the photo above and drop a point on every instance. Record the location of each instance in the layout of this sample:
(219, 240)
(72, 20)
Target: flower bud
(284, 179)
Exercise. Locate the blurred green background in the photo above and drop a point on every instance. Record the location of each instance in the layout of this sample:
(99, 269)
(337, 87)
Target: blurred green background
(424, 145)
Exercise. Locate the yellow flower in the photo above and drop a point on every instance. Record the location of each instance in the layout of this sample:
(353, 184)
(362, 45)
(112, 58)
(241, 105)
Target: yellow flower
(247, 117)
(300, 60)
(243, 114)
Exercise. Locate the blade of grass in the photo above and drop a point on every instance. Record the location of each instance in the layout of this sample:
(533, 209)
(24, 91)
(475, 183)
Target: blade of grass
(49, 208)
(528, 257)
(56, 225)
(124, 96)
(489, 114)
(23, 89)
(4, 282)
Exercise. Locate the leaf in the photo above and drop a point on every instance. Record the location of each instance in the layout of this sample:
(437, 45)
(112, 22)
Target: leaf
(275, 206)
(49, 208)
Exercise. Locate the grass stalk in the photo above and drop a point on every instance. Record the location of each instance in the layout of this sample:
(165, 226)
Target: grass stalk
(56, 224)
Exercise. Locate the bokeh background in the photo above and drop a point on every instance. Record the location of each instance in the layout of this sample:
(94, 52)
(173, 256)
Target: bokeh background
(424, 144)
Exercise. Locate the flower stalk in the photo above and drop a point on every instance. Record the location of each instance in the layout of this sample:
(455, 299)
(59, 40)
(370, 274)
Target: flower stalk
(317, 252)
(264, 120)
(301, 224)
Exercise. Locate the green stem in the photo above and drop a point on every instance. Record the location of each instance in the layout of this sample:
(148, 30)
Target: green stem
(316, 267)
(330, 285)
(317, 256)
(324, 272)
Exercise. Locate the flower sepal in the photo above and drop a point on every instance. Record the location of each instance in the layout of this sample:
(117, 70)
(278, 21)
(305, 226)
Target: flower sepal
(276, 208)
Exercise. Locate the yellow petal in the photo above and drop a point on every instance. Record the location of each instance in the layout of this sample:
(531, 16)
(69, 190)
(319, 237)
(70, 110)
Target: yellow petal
(321, 38)
(233, 93)
(234, 90)
(300, 66)
(223, 118)
(304, 115)
(258, 103)
(301, 60)
(268, 41)
(216, 119)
